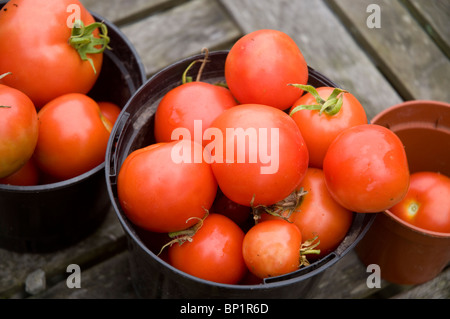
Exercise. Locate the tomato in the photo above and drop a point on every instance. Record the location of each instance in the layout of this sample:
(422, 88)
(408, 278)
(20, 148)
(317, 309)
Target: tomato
(427, 203)
(43, 63)
(27, 175)
(318, 214)
(366, 169)
(73, 136)
(320, 129)
(272, 248)
(259, 155)
(161, 193)
(109, 110)
(261, 64)
(215, 252)
(189, 102)
(240, 214)
(18, 129)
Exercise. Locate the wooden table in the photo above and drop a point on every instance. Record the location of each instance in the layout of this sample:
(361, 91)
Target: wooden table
(407, 57)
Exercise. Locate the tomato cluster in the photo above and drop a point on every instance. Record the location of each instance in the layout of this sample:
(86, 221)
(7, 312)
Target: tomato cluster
(50, 129)
(263, 176)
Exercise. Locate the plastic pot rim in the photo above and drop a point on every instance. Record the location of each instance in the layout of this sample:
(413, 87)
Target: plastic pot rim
(415, 229)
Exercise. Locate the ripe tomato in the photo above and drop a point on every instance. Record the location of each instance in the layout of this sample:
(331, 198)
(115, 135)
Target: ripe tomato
(18, 129)
(272, 248)
(319, 130)
(319, 214)
(366, 169)
(427, 203)
(109, 110)
(184, 104)
(240, 214)
(27, 175)
(161, 194)
(73, 136)
(259, 155)
(43, 63)
(261, 64)
(215, 252)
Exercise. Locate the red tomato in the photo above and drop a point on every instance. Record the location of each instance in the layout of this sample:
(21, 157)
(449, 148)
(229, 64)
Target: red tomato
(27, 175)
(260, 66)
(259, 155)
(272, 248)
(215, 252)
(319, 130)
(161, 194)
(319, 214)
(240, 214)
(73, 136)
(43, 64)
(109, 110)
(18, 130)
(427, 203)
(184, 104)
(366, 169)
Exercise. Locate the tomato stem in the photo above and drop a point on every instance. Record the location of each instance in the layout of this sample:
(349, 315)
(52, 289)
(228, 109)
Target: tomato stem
(4, 74)
(282, 209)
(185, 235)
(83, 40)
(331, 106)
(307, 248)
(413, 208)
(1, 77)
(187, 79)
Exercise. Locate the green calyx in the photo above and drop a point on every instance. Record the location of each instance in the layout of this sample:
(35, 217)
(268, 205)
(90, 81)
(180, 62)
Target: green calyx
(331, 106)
(83, 40)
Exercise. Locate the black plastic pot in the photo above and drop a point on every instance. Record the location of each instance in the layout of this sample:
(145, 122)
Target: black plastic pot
(48, 217)
(152, 277)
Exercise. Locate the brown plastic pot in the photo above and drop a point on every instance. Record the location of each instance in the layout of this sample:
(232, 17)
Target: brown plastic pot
(407, 254)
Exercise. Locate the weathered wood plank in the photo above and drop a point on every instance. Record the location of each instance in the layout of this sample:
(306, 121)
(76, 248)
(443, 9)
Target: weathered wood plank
(437, 288)
(180, 32)
(406, 55)
(121, 12)
(325, 43)
(107, 280)
(15, 267)
(433, 15)
(347, 279)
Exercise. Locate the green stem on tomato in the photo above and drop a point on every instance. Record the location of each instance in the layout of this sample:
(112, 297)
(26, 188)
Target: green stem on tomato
(331, 106)
(187, 79)
(83, 40)
(307, 248)
(185, 235)
(282, 209)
